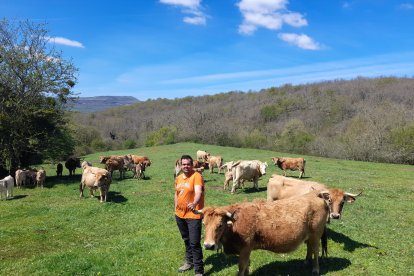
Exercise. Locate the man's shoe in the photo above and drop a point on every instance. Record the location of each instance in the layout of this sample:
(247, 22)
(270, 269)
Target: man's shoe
(186, 266)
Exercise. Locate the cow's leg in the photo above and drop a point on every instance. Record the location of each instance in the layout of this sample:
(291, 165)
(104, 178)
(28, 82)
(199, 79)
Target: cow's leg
(235, 184)
(91, 192)
(244, 262)
(284, 172)
(313, 249)
(301, 173)
(81, 190)
(256, 183)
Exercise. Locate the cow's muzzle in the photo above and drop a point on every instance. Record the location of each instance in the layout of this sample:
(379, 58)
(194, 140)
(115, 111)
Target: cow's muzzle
(335, 216)
(208, 246)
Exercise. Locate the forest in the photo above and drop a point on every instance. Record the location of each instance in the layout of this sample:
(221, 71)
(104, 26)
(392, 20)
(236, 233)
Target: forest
(366, 119)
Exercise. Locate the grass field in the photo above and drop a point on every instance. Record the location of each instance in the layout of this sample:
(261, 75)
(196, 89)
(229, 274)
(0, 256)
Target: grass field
(50, 231)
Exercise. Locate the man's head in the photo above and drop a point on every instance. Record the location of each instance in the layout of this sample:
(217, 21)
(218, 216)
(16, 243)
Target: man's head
(186, 164)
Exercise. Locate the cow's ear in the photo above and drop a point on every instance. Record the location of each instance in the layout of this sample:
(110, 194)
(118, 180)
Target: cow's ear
(324, 195)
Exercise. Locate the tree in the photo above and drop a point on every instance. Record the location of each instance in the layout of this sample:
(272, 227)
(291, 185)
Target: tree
(35, 85)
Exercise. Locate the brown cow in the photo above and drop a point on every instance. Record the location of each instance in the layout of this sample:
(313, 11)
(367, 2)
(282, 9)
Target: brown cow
(280, 227)
(215, 161)
(293, 164)
(141, 159)
(280, 187)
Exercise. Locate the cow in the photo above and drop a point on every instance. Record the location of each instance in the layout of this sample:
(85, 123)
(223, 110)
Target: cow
(40, 177)
(71, 164)
(141, 159)
(281, 227)
(20, 176)
(202, 155)
(116, 163)
(59, 169)
(31, 176)
(6, 187)
(95, 178)
(215, 161)
(247, 170)
(293, 164)
(280, 187)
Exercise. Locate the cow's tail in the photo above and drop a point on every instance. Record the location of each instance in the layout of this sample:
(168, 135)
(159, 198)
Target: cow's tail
(324, 242)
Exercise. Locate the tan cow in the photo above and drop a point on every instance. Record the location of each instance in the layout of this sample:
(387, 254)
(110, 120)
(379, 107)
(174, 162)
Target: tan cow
(20, 176)
(281, 227)
(247, 170)
(202, 155)
(95, 178)
(227, 166)
(215, 162)
(6, 187)
(40, 178)
(293, 164)
(280, 187)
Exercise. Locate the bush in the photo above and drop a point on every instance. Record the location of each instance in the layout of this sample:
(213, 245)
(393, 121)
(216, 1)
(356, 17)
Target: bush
(294, 138)
(130, 144)
(164, 136)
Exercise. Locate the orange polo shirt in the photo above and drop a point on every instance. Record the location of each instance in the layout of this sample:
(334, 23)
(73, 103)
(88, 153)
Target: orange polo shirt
(184, 188)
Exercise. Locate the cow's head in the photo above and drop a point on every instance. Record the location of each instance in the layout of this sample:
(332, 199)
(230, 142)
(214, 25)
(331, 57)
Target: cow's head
(103, 159)
(102, 179)
(339, 197)
(262, 168)
(216, 221)
(85, 164)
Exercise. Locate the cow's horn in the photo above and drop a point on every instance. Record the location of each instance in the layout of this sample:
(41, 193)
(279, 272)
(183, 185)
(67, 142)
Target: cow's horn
(230, 215)
(353, 195)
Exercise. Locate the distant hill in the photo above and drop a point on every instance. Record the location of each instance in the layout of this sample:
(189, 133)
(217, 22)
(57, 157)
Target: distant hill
(93, 104)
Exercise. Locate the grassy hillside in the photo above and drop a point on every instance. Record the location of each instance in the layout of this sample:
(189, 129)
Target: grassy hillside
(51, 231)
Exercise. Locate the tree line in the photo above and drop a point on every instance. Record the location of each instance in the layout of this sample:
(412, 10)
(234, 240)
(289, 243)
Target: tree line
(367, 119)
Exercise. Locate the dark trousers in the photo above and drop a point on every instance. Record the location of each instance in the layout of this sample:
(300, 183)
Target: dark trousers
(190, 230)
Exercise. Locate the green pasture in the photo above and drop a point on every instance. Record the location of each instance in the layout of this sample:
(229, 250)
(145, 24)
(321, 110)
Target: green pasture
(51, 231)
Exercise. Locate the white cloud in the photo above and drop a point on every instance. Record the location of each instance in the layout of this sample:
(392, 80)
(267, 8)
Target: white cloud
(272, 15)
(65, 41)
(302, 41)
(269, 14)
(191, 7)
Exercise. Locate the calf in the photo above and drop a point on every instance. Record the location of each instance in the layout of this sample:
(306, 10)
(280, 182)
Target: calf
(95, 178)
(59, 169)
(6, 187)
(215, 161)
(20, 178)
(293, 164)
(40, 178)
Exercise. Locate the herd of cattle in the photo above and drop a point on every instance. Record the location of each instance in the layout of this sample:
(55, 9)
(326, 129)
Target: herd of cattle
(295, 211)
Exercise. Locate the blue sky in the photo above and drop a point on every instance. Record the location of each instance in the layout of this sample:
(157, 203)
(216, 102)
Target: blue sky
(175, 48)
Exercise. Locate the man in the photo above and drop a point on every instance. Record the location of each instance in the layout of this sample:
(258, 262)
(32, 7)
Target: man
(189, 195)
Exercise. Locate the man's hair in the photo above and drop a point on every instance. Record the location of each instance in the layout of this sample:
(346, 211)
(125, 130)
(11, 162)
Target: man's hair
(187, 157)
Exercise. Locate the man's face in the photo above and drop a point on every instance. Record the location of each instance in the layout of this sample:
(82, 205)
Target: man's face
(186, 165)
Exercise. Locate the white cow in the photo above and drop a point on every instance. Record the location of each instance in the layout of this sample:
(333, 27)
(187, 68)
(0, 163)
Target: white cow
(248, 170)
(6, 186)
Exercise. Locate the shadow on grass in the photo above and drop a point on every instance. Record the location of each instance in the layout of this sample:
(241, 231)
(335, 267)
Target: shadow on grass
(253, 190)
(298, 267)
(51, 181)
(17, 197)
(116, 197)
(349, 244)
(220, 261)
